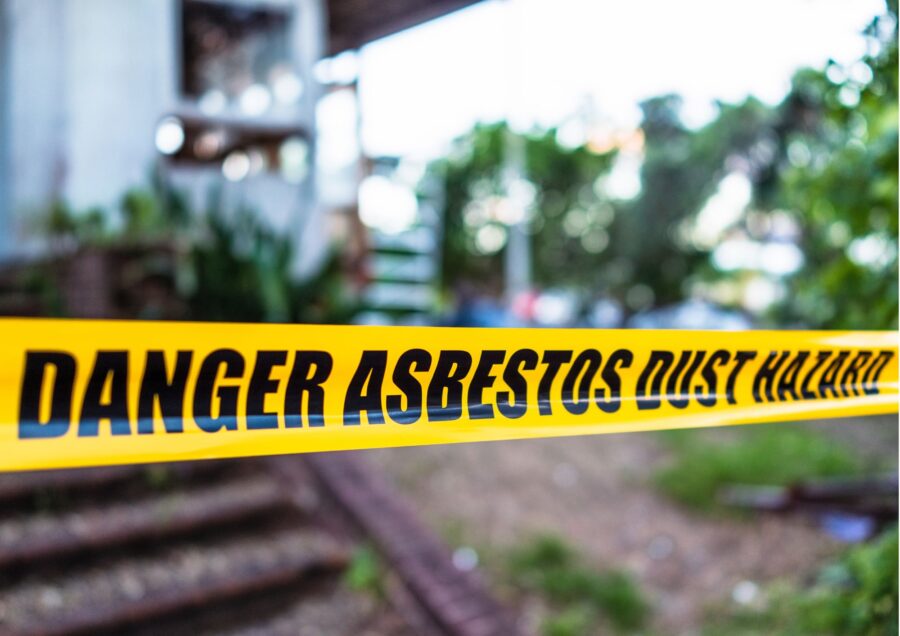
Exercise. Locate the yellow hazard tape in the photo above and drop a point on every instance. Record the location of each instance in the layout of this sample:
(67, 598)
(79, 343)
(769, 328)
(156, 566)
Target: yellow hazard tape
(84, 393)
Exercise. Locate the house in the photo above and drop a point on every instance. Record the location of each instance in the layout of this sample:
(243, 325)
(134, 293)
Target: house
(96, 95)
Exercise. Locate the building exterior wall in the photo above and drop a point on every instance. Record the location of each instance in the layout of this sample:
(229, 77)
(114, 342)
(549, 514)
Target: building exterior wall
(5, 195)
(83, 86)
(34, 127)
(120, 67)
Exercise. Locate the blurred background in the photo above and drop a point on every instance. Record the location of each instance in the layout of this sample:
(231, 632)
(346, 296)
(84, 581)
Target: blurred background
(699, 165)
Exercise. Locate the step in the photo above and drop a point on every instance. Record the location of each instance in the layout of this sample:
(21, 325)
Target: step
(41, 537)
(16, 487)
(137, 592)
(331, 610)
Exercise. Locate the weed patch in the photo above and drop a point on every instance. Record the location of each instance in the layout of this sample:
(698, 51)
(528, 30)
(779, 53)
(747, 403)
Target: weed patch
(855, 596)
(581, 596)
(762, 456)
(365, 572)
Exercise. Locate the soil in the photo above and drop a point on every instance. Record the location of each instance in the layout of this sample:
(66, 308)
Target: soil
(595, 492)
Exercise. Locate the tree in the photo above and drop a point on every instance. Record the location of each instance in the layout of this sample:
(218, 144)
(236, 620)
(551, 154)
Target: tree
(840, 175)
(477, 206)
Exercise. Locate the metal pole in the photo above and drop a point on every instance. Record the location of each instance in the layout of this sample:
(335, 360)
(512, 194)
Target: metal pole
(517, 257)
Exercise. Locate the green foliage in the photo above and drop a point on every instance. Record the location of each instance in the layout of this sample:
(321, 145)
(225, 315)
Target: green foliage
(842, 179)
(547, 565)
(827, 158)
(365, 572)
(633, 243)
(37, 284)
(681, 169)
(232, 266)
(159, 477)
(87, 228)
(762, 455)
(856, 596)
(575, 620)
(475, 172)
(153, 213)
(241, 272)
(143, 214)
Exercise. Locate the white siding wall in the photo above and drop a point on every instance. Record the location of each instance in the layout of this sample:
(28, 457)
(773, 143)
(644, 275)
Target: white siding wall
(120, 66)
(33, 95)
(83, 86)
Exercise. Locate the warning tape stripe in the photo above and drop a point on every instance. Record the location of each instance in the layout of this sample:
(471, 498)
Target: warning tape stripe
(85, 393)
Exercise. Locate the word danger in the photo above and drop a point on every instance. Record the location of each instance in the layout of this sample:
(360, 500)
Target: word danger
(152, 391)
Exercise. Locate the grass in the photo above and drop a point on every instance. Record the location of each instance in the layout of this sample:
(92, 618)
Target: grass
(365, 572)
(854, 596)
(159, 477)
(581, 596)
(763, 455)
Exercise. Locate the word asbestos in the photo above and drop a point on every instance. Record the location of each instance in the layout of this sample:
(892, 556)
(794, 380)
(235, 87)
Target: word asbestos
(146, 393)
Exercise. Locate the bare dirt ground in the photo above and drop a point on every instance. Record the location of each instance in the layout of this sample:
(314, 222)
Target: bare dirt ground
(594, 491)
